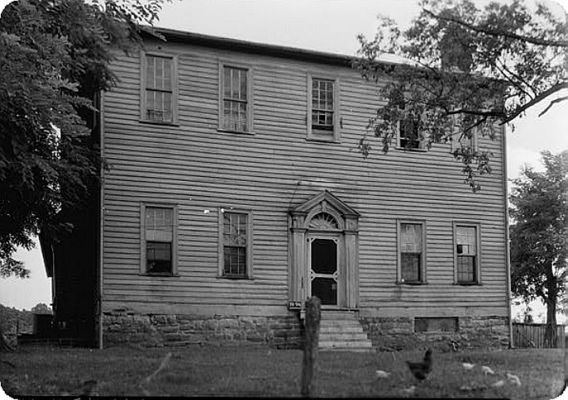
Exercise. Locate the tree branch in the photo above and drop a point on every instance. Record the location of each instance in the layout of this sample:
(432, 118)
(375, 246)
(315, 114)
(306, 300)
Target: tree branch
(536, 100)
(501, 33)
(558, 100)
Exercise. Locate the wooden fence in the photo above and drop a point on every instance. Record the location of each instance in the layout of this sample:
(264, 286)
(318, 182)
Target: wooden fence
(532, 335)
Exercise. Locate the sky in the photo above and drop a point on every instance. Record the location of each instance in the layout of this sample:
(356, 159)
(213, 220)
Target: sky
(322, 25)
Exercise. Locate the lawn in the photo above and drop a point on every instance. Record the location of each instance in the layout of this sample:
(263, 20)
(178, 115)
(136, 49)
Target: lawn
(248, 370)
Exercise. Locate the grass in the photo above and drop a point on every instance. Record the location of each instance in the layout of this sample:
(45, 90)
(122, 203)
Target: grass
(259, 371)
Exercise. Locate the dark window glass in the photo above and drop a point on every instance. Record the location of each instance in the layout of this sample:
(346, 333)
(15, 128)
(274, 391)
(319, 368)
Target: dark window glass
(158, 257)
(235, 242)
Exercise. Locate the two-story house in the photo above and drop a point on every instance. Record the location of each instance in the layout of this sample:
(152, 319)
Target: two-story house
(235, 191)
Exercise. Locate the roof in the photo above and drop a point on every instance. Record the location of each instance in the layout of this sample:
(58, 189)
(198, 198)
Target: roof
(223, 43)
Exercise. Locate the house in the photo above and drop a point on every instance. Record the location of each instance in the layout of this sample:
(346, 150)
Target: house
(235, 191)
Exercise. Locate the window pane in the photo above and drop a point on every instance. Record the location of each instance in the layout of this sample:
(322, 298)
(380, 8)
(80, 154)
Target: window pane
(466, 269)
(410, 266)
(411, 238)
(466, 239)
(158, 257)
(235, 261)
(150, 71)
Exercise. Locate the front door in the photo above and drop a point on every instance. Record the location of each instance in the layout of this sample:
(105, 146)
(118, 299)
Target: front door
(323, 269)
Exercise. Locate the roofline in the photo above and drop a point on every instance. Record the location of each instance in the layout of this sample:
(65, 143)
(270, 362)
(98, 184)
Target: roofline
(251, 47)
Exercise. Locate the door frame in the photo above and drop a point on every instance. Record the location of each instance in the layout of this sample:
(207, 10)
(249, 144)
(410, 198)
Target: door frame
(302, 227)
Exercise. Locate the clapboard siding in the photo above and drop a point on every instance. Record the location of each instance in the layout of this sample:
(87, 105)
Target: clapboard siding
(201, 170)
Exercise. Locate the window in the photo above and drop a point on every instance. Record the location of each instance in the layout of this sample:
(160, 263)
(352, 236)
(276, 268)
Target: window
(235, 99)
(323, 102)
(466, 253)
(409, 134)
(235, 250)
(158, 240)
(436, 324)
(411, 249)
(159, 89)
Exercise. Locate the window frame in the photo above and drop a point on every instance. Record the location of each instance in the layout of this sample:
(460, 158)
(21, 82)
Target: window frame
(143, 88)
(477, 265)
(332, 135)
(143, 261)
(423, 268)
(221, 245)
(250, 97)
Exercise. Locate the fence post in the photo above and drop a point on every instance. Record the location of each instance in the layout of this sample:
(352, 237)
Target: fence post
(311, 334)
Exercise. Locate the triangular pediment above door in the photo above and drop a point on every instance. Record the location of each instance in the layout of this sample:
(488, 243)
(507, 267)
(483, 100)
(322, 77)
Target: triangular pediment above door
(328, 200)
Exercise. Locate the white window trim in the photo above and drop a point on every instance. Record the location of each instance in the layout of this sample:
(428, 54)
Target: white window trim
(175, 93)
(456, 137)
(335, 135)
(477, 266)
(173, 207)
(423, 274)
(250, 97)
(221, 259)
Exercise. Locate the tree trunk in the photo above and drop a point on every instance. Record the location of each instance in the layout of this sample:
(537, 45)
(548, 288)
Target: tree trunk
(550, 336)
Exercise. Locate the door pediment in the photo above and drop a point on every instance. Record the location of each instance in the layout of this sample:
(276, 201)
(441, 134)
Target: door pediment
(326, 197)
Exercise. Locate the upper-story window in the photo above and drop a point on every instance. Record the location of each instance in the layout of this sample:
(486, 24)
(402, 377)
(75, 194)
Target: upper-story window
(323, 109)
(159, 89)
(409, 134)
(235, 99)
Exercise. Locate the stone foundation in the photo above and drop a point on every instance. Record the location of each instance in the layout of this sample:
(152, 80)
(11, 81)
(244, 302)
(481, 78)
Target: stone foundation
(123, 326)
(473, 332)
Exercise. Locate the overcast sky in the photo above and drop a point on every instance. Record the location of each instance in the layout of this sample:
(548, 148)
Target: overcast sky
(323, 25)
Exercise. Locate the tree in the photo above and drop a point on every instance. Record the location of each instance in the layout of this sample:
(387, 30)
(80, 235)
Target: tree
(54, 60)
(539, 245)
(465, 69)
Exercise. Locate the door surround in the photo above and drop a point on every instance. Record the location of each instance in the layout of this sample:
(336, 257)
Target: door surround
(324, 216)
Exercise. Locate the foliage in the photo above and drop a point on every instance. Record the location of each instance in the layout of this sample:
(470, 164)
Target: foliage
(465, 70)
(54, 59)
(539, 245)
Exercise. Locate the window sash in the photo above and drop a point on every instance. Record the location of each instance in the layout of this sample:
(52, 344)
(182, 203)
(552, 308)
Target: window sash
(158, 239)
(409, 135)
(158, 257)
(235, 99)
(322, 104)
(411, 249)
(466, 246)
(235, 244)
(159, 88)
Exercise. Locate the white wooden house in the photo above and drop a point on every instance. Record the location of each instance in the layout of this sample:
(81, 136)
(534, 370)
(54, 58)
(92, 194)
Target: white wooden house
(235, 191)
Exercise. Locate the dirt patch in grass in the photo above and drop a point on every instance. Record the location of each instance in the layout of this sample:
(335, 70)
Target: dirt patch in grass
(260, 371)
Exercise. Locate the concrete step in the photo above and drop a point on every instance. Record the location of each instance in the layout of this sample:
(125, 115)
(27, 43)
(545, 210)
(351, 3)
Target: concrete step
(345, 344)
(342, 336)
(335, 328)
(350, 349)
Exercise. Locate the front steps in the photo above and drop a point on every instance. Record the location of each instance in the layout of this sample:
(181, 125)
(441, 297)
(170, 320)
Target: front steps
(341, 331)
